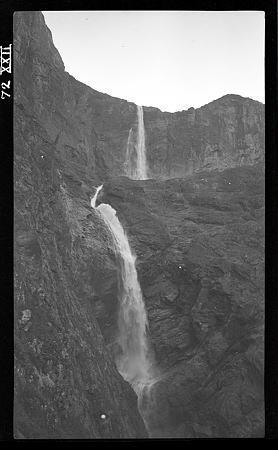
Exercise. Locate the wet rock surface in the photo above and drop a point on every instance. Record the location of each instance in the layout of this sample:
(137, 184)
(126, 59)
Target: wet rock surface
(200, 258)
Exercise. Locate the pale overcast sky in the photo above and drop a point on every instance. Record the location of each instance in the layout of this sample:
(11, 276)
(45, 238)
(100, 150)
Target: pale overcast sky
(168, 59)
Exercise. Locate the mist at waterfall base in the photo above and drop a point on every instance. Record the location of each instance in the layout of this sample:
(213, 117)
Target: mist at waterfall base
(134, 362)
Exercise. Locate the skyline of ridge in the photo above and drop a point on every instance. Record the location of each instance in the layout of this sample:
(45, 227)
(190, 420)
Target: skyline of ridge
(164, 59)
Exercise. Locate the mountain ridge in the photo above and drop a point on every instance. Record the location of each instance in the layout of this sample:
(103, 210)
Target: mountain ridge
(150, 106)
(226, 132)
(196, 227)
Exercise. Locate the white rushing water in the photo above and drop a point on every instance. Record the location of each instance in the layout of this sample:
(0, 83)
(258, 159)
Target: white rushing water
(129, 148)
(133, 362)
(141, 169)
(136, 167)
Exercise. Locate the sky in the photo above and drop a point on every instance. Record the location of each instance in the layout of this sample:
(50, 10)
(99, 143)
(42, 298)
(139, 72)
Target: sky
(171, 60)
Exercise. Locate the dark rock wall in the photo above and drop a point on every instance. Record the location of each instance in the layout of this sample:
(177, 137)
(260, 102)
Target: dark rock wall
(200, 259)
(199, 243)
(65, 377)
(226, 133)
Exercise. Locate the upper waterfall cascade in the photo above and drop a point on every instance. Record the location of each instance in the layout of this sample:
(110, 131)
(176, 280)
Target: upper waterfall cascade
(136, 165)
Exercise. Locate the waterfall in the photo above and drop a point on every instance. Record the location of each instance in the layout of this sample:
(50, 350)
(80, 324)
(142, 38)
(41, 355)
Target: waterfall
(128, 162)
(136, 167)
(133, 362)
(141, 169)
(94, 199)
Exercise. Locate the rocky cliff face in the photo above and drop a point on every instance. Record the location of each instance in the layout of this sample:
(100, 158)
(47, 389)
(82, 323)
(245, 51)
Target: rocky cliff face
(65, 377)
(199, 242)
(228, 132)
(200, 249)
(92, 128)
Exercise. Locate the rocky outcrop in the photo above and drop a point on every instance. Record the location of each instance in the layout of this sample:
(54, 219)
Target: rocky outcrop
(199, 246)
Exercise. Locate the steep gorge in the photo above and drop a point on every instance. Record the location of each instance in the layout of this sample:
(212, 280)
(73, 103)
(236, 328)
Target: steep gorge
(197, 228)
